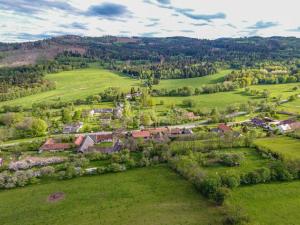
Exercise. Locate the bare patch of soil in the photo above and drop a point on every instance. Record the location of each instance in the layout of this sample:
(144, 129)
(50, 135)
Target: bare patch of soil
(55, 197)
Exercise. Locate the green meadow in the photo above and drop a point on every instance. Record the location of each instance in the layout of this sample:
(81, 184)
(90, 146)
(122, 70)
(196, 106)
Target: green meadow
(288, 148)
(269, 204)
(77, 84)
(208, 101)
(251, 161)
(153, 195)
(193, 82)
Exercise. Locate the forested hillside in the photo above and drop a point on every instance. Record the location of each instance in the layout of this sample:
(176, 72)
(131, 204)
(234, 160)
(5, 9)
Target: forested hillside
(237, 51)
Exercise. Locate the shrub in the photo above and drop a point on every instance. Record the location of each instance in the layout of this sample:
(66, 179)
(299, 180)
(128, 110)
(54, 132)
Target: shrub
(230, 159)
(47, 171)
(279, 172)
(236, 216)
(231, 180)
(115, 167)
(210, 185)
(220, 195)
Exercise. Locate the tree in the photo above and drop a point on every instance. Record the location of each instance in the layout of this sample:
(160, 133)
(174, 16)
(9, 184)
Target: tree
(77, 115)
(39, 127)
(66, 115)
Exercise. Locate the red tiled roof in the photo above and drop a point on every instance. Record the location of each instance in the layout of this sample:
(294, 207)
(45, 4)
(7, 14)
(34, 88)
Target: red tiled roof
(55, 146)
(175, 131)
(102, 137)
(79, 140)
(289, 121)
(295, 126)
(140, 134)
(224, 127)
(158, 130)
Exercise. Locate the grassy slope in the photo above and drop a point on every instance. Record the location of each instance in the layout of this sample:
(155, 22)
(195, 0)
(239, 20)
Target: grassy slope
(270, 204)
(192, 82)
(293, 106)
(289, 147)
(143, 196)
(77, 84)
(209, 101)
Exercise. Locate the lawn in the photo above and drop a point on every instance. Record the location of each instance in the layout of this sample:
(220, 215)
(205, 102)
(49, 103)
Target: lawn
(147, 196)
(270, 204)
(252, 160)
(288, 148)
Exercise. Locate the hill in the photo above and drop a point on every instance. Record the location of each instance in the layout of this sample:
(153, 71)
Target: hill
(242, 50)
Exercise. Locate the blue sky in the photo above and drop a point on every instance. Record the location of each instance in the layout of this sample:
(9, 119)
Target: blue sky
(28, 20)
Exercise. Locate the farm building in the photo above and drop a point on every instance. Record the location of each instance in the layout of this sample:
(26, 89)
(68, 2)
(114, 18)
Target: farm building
(97, 112)
(86, 144)
(72, 128)
(53, 145)
(141, 134)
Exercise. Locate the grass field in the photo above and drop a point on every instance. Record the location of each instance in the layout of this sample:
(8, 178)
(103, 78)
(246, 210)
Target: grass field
(285, 90)
(193, 82)
(293, 107)
(208, 101)
(288, 147)
(147, 196)
(269, 204)
(77, 84)
(252, 160)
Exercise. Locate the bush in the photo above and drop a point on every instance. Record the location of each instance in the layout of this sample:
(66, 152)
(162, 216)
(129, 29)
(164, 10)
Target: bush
(230, 159)
(221, 195)
(210, 185)
(115, 167)
(47, 171)
(236, 216)
(231, 180)
(279, 172)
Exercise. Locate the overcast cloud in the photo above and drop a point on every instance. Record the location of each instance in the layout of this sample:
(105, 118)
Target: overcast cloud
(24, 20)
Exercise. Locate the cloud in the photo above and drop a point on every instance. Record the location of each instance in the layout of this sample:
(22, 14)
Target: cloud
(76, 26)
(154, 19)
(231, 25)
(108, 11)
(295, 29)
(152, 24)
(34, 7)
(206, 17)
(263, 25)
(200, 24)
(165, 2)
(27, 36)
(187, 31)
(149, 34)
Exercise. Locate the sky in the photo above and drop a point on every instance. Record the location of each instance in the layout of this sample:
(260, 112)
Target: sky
(29, 20)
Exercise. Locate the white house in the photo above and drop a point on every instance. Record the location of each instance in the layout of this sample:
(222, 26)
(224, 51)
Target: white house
(283, 128)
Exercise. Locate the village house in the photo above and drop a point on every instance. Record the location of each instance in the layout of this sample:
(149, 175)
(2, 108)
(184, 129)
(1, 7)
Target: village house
(118, 111)
(78, 141)
(174, 132)
(53, 145)
(97, 112)
(288, 126)
(222, 128)
(191, 116)
(86, 144)
(258, 122)
(141, 134)
(72, 128)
